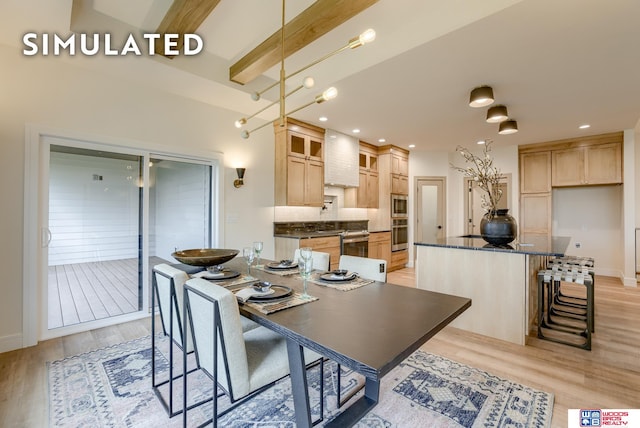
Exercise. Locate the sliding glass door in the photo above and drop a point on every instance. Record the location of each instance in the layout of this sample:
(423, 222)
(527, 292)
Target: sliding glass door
(93, 235)
(109, 215)
(179, 207)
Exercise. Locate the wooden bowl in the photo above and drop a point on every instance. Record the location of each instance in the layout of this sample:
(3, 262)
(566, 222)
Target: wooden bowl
(204, 256)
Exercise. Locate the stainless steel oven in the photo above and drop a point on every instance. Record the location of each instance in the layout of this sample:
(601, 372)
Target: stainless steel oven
(354, 243)
(399, 206)
(399, 234)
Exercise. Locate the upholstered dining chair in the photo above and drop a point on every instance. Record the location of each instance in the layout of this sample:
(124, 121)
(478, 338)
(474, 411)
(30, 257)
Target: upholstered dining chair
(375, 269)
(241, 363)
(167, 289)
(320, 259)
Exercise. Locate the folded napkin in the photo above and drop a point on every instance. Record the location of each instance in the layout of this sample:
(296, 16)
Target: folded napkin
(347, 276)
(244, 294)
(208, 275)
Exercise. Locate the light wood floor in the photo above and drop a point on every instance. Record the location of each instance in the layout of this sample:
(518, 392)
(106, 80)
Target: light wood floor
(606, 377)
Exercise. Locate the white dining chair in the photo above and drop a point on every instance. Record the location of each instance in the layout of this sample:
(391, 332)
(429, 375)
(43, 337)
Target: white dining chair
(375, 269)
(320, 260)
(167, 290)
(241, 363)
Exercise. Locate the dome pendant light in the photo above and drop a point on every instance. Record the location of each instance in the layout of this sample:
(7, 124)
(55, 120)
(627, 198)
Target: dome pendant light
(481, 96)
(497, 114)
(508, 127)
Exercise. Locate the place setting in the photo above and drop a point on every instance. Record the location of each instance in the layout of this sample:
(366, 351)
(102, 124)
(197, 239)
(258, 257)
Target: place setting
(268, 298)
(340, 279)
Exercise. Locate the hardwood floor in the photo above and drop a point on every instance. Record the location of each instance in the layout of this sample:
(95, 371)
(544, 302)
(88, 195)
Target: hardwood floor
(607, 377)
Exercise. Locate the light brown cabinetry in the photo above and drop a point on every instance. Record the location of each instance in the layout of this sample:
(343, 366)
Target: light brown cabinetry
(380, 246)
(366, 194)
(588, 165)
(535, 193)
(299, 169)
(327, 244)
(398, 260)
(400, 173)
(286, 247)
(586, 161)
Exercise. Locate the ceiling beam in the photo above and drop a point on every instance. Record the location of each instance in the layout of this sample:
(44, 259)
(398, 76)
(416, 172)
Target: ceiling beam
(184, 16)
(315, 21)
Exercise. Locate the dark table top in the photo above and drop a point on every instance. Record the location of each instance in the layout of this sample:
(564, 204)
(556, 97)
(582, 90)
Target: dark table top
(370, 329)
(528, 244)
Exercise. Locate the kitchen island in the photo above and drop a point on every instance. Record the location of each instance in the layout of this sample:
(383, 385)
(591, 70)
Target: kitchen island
(500, 280)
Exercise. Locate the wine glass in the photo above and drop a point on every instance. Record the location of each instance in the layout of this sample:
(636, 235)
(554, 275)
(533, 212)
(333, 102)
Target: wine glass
(305, 267)
(249, 256)
(257, 248)
(306, 253)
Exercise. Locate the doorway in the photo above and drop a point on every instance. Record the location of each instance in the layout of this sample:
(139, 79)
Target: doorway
(473, 202)
(430, 209)
(106, 215)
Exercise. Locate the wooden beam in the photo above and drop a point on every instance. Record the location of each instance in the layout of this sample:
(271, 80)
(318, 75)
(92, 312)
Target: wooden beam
(317, 20)
(184, 16)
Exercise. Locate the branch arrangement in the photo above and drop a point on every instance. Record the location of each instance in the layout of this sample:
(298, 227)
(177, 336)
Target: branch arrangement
(482, 171)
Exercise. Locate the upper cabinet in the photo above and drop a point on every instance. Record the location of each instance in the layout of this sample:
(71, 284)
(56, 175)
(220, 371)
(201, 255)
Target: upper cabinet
(400, 172)
(366, 194)
(535, 172)
(299, 169)
(587, 165)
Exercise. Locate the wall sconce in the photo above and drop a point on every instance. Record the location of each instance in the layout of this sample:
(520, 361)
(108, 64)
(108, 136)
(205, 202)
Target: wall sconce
(239, 182)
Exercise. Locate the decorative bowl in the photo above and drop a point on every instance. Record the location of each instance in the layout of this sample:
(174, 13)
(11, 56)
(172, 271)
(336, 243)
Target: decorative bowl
(204, 256)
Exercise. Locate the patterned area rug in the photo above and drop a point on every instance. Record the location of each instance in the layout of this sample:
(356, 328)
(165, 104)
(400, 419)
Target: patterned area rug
(111, 387)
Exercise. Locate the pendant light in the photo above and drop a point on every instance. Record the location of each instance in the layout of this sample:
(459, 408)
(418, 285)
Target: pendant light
(481, 96)
(508, 127)
(497, 114)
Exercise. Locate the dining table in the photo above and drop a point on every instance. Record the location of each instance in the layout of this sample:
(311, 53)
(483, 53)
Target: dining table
(369, 329)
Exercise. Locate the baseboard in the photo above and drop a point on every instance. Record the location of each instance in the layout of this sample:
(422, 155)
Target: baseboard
(629, 282)
(10, 343)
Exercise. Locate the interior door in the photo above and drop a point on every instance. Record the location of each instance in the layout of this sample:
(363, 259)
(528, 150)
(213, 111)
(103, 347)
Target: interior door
(430, 206)
(473, 203)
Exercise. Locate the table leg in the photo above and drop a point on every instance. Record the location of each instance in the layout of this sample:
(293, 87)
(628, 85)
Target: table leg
(352, 414)
(299, 384)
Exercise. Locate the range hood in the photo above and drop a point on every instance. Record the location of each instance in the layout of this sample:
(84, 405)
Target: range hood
(341, 157)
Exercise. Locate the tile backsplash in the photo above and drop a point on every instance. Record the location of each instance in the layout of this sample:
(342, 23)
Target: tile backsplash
(335, 210)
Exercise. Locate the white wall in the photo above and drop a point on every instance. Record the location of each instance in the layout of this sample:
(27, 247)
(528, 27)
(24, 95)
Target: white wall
(92, 219)
(51, 92)
(592, 217)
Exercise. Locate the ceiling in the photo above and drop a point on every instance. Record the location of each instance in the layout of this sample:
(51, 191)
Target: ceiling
(554, 64)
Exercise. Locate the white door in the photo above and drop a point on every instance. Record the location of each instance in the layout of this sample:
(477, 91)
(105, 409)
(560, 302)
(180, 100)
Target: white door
(430, 207)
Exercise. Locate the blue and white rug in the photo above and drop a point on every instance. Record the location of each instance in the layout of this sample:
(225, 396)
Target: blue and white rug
(111, 387)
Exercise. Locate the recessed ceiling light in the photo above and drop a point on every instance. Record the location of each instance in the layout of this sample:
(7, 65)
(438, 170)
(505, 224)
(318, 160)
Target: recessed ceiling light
(481, 142)
(381, 140)
(323, 118)
(585, 126)
(411, 146)
(356, 131)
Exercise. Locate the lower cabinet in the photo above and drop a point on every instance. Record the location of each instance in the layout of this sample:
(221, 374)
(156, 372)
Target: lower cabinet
(285, 247)
(398, 260)
(380, 246)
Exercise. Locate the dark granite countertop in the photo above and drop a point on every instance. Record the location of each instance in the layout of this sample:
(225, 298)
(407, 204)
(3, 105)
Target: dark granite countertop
(531, 244)
(316, 229)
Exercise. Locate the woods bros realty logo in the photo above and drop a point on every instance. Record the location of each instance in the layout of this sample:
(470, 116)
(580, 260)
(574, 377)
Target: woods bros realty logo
(604, 418)
(94, 44)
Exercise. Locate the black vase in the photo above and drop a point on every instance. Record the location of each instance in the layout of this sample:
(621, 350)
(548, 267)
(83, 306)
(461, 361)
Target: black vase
(498, 227)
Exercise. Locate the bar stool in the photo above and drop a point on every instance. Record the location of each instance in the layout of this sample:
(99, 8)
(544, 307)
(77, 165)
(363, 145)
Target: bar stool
(575, 264)
(572, 323)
